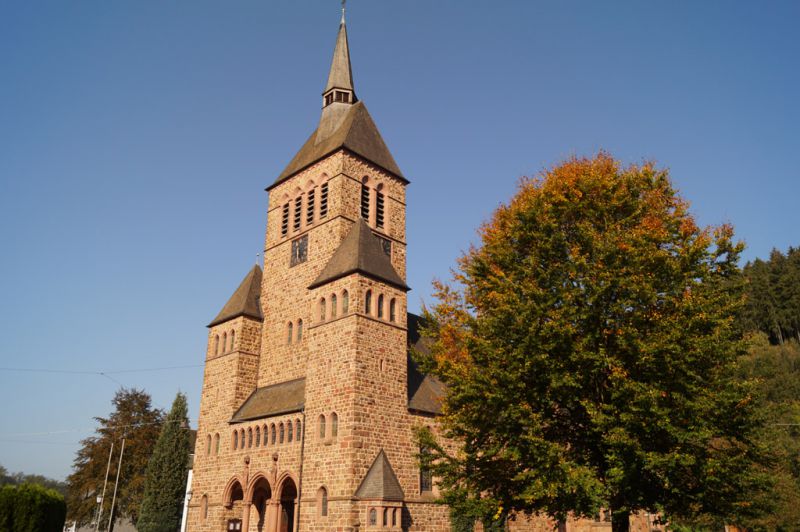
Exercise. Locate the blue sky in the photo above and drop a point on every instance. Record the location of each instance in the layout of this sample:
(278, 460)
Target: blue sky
(136, 139)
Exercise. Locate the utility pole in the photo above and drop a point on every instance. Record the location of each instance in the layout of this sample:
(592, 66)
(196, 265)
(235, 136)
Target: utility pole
(103, 496)
(116, 484)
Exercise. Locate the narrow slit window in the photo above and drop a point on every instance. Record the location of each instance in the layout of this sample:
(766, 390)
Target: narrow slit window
(333, 306)
(380, 306)
(298, 211)
(216, 443)
(345, 302)
(208, 444)
(289, 328)
(379, 209)
(281, 432)
(258, 436)
(322, 309)
(289, 432)
(272, 434)
(393, 310)
(216, 344)
(233, 336)
(299, 330)
(368, 302)
(322, 426)
(297, 430)
(310, 206)
(425, 476)
(323, 201)
(235, 439)
(249, 438)
(285, 220)
(334, 425)
(224, 342)
(365, 202)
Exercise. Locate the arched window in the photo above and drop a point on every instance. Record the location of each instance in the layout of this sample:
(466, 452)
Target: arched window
(224, 342)
(272, 434)
(204, 507)
(249, 438)
(322, 309)
(281, 434)
(321, 426)
(373, 517)
(298, 211)
(216, 443)
(393, 310)
(289, 333)
(333, 306)
(323, 200)
(235, 439)
(289, 432)
(345, 302)
(299, 330)
(385, 517)
(241, 439)
(425, 476)
(334, 425)
(310, 197)
(394, 516)
(266, 435)
(380, 306)
(208, 444)
(233, 336)
(368, 302)
(216, 344)
(322, 501)
(297, 428)
(258, 436)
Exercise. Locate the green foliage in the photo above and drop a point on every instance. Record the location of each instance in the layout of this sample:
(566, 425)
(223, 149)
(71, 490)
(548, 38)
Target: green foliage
(139, 423)
(31, 508)
(16, 479)
(773, 296)
(589, 348)
(167, 472)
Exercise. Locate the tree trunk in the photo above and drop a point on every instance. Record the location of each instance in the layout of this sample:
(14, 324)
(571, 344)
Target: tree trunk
(620, 521)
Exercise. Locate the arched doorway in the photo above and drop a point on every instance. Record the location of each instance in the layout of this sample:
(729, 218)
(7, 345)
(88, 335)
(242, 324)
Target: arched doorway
(262, 493)
(288, 504)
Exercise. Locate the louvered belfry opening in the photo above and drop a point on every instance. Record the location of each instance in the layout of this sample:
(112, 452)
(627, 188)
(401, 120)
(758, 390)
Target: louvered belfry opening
(323, 201)
(365, 202)
(379, 210)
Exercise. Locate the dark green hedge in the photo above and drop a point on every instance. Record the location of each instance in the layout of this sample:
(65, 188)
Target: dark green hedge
(31, 508)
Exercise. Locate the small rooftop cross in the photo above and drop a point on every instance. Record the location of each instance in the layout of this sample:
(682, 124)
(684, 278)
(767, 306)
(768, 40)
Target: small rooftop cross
(343, 8)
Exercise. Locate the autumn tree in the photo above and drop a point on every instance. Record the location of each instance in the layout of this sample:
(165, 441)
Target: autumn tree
(589, 347)
(135, 420)
(167, 472)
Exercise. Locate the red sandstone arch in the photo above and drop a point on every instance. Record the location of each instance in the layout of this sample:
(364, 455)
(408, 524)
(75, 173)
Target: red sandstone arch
(233, 492)
(259, 494)
(287, 497)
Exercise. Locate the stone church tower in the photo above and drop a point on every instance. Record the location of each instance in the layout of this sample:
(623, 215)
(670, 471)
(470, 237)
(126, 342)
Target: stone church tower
(309, 396)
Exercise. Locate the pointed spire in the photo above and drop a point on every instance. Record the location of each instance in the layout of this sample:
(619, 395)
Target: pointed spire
(341, 74)
(244, 301)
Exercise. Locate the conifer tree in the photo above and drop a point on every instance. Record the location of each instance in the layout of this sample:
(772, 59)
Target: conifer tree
(167, 471)
(589, 348)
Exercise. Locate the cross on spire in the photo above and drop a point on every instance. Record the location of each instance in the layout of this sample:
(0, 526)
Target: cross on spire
(343, 9)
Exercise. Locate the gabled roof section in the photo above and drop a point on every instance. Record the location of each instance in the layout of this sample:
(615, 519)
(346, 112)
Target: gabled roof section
(360, 251)
(244, 301)
(273, 400)
(380, 482)
(354, 131)
(425, 392)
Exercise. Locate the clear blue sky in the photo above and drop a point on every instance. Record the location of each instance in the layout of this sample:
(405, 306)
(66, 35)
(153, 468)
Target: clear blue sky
(136, 139)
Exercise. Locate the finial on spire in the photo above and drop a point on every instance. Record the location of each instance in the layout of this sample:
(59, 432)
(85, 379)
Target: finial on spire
(343, 9)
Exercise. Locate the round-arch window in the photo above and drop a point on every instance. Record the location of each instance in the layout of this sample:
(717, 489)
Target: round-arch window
(333, 306)
(334, 425)
(345, 302)
(322, 426)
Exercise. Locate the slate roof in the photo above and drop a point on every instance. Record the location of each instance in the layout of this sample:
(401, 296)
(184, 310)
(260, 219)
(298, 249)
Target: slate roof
(360, 251)
(273, 400)
(244, 301)
(341, 74)
(380, 482)
(425, 392)
(355, 131)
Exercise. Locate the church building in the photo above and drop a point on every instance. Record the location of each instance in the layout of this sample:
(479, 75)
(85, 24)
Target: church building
(310, 398)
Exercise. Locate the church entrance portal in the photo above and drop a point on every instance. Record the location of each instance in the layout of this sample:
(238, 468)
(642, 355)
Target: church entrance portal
(288, 503)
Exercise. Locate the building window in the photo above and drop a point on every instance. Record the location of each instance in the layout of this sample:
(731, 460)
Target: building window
(285, 220)
(258, 436)
(393, 310)
(266, 436)
(425, 476)
(281, 432)
(249, 438)
(298, 213)
(297, 428)
(235, 439)
(385, 517)
(272, 434)
(329, 98)
(224, 342)
(379, 209)
(208, 444)
(216, 443)
(234, 525)
(289, 332)
(310, 207)
(299, 251)
(345, 302)
(323, 201)
(204, 507)
(322, 309)
(233, 336)
(299, 330)
(386, 245)
(394, 517)
(380, 306)
(241, 439)
(368, 302)
(334, 425)
(322, 426)
(322, 501)
(373, 517)
(365, 202)
(333, 305)
(216, 344)
(289, 432)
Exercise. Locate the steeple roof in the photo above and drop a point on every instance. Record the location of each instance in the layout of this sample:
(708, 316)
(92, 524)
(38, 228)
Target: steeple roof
(360, 251)
(341, 74)
(380, 482)
(244, 301)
